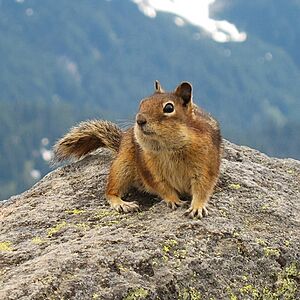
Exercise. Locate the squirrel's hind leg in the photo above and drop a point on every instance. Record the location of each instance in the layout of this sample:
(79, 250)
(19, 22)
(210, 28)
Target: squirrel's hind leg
(120, 179)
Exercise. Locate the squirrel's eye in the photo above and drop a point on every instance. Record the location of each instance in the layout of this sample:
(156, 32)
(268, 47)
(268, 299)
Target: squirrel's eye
(168, 108)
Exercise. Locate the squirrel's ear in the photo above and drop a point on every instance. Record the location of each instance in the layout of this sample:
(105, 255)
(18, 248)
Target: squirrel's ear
(157, 87)
(184, 90)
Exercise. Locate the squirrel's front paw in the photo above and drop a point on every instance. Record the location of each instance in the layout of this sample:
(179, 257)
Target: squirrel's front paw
(174, 204)
(196, 212)
(125, 207)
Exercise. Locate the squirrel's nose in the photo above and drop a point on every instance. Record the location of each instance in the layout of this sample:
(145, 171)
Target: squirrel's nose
(141, 120)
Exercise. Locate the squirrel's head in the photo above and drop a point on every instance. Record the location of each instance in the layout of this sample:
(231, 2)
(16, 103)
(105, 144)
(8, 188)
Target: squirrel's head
(162, 118)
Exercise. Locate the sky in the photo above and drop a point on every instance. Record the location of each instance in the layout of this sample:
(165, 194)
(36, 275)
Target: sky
(195, 12)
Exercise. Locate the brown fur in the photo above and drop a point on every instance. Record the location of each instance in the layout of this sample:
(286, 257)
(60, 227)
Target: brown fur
(87, 137)
(166, 154)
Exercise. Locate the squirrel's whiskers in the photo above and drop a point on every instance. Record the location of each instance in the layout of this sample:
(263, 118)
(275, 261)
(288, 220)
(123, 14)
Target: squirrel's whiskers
(125, 124)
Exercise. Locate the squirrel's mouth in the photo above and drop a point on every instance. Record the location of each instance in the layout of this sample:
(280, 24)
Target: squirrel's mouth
(147, 132)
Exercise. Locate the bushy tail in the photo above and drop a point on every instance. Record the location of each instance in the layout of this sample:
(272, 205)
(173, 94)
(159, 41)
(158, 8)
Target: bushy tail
(86, 137)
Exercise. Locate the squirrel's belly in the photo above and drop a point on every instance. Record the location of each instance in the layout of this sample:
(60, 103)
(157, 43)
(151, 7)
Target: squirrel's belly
(178, 175)
(181, 184)
(171, 169)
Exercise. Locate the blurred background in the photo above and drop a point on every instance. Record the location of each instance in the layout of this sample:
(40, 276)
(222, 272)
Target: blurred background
(66, 61)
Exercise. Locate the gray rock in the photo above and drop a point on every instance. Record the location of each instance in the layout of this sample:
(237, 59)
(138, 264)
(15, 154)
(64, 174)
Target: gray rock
(60, 240)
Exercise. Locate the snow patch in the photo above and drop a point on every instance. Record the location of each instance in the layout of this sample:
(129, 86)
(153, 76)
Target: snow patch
(195, 12)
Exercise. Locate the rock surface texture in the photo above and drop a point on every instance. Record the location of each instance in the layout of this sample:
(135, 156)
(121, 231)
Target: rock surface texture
(60, 240)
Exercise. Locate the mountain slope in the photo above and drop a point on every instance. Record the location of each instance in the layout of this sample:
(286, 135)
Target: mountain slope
(60, 240)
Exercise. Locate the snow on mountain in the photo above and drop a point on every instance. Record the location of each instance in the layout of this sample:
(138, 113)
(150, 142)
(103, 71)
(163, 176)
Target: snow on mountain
(195, 12)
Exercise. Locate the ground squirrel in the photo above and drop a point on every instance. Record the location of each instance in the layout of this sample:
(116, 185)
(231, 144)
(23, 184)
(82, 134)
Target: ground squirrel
(173, 149)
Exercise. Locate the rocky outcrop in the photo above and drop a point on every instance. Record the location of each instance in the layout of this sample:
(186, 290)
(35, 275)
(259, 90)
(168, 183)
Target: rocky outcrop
(60, 240)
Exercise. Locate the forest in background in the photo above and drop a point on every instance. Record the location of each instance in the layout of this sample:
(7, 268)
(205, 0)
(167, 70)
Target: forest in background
(61, 63)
